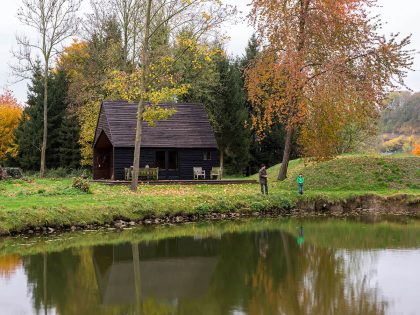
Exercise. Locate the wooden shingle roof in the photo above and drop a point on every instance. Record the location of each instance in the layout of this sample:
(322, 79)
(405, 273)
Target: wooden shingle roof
(189, 127)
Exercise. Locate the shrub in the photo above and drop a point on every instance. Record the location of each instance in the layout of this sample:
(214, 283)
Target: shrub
(82, 184)
(416, 149)
(61, 172)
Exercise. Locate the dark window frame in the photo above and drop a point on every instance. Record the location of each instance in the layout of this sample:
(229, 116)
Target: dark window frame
(165, 161)
(168, 160)
(207, 156)
(158, 160)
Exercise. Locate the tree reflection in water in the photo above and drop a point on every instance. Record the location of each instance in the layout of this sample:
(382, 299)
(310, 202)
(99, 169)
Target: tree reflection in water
(256, 272)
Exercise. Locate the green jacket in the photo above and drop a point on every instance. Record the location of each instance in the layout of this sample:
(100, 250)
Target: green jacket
(300, 180)
(263, 176)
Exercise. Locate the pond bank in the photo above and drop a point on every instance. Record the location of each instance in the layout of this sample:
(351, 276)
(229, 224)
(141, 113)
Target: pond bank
(115, 219)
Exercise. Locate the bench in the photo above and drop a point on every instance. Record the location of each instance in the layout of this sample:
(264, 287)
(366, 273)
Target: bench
(216, 172)
(146, 172)
(199, 172)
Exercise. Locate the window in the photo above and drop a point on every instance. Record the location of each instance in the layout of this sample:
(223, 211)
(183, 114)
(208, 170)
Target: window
(172, 160)
(160, 159)
(207, 155)
(167, 160)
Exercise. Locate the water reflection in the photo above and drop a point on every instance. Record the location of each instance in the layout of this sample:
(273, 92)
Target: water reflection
(239, 273)
(165, 271)
(9, 265)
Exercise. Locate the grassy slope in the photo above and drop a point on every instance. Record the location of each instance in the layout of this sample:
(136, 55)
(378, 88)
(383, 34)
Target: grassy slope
(355, 173)
(55, 202)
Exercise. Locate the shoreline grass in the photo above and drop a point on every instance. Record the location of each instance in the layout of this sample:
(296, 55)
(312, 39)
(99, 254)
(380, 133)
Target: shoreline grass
(54, 202)
(329, 233)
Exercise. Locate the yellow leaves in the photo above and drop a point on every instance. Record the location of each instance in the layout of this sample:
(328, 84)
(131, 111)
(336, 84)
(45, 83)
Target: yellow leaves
(199, 52)
(127, 86)
(401, 143)
(152, 114)
(73, 58)
(166, 94)
(206, 16)
(10, 114)
(88, 114)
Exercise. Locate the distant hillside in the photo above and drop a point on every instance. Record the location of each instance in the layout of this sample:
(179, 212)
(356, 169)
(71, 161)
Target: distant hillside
(354, 173)
(402, 115)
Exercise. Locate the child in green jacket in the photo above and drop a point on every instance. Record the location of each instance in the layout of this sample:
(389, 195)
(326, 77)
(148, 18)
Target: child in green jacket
(300, 181)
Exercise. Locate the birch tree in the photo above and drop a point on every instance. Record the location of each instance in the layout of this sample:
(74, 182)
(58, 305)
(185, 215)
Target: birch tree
(53, 22)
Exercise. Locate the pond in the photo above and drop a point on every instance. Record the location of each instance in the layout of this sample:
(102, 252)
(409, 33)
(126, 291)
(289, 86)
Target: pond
(247, 267)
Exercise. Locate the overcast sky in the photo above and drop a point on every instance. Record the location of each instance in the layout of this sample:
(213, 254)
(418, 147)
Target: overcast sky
(400, 16)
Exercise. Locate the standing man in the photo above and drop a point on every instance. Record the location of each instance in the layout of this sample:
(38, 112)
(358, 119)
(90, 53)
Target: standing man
(300, 181)
(263, 179)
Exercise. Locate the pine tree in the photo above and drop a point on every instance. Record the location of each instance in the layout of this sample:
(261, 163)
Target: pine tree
(229, 115)
(69, 148)
(29, 132)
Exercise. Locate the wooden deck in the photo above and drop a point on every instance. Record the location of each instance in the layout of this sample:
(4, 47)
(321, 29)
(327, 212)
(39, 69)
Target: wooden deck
(180, 182)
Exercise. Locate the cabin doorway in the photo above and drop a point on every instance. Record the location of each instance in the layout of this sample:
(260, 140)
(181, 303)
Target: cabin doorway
(103, 158)
(168, 163)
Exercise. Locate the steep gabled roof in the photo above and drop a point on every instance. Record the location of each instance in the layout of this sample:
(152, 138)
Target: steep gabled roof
(189, 127)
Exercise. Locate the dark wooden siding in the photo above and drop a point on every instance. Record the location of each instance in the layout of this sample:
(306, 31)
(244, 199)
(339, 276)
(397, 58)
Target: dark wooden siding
(194, 158)
(188, 158)
(103, 154)
(103, 125)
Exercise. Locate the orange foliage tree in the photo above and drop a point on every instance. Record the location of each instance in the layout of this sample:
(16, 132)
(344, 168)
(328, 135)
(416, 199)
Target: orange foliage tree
(416, 149)
(322, 65)
(10, 114)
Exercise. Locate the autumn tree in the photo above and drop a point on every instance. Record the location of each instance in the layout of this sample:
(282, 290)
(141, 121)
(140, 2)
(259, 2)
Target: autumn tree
(322, 62)
(10, 114)
(88, 63)
(416, 150)
(54, 21)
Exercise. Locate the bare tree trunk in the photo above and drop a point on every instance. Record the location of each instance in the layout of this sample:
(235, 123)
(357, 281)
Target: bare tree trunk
(289, 131)
(141, 105)
(137, 276)
(137, 146)
(126, 20)
(222, 161)
(45, 134)
(286, 154)
(44, 275)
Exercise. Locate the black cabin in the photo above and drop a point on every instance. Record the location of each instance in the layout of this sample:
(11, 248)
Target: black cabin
(175, 145)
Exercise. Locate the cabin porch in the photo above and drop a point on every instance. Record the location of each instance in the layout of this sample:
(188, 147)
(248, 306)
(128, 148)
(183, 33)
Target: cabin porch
(179, 182)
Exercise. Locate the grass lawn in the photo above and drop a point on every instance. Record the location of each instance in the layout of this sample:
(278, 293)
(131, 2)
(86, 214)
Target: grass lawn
(40, 202)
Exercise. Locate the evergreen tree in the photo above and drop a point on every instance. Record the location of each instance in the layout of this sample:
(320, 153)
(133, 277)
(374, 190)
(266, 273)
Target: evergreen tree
(29, 132)
(69, 148)
(229, 115)
(216, 82)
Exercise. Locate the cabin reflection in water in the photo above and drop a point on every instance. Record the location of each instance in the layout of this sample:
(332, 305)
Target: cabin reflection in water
(168, 270)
